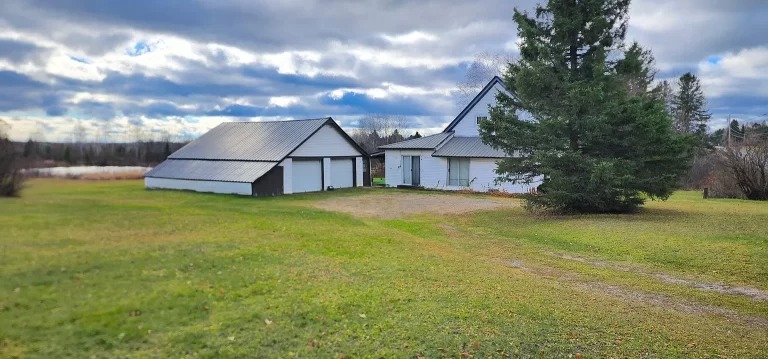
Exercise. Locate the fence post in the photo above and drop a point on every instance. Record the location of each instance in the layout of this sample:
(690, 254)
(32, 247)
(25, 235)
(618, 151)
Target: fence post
(706, 192)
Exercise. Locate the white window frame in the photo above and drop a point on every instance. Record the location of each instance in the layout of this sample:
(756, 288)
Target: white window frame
(483, 118)
(458, 171)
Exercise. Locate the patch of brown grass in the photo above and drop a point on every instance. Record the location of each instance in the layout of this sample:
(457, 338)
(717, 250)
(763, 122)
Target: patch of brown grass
(403, 204)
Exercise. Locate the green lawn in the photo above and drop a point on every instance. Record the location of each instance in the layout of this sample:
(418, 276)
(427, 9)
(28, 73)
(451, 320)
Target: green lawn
(108, 269)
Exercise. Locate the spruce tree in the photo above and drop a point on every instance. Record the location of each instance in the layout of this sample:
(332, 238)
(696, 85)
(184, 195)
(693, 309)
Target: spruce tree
(689, 107)
(581, 115)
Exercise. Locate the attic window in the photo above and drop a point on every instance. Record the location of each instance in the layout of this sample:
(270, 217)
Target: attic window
(481, 118)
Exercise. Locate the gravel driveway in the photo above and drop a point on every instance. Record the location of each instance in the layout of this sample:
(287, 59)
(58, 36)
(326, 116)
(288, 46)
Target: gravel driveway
(402, 204)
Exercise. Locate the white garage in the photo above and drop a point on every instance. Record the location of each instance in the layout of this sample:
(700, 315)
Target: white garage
(307, 176)
(264, 159)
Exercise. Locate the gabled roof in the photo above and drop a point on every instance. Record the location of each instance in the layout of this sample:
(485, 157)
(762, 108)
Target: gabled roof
(206, 170)
(495, 80)
(250, 141)
(426, 142)
(241, 151)
(468, 147)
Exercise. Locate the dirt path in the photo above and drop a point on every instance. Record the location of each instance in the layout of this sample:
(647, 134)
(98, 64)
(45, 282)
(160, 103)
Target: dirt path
(639, 296)
(753, 293)
(399, 204)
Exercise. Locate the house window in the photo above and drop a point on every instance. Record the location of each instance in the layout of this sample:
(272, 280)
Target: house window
(458, 171)
(481, 118)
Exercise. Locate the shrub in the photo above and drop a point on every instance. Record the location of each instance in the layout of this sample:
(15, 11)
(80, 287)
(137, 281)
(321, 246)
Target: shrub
(10, 173)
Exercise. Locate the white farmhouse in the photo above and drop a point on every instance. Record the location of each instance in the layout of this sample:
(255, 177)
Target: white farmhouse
(454, 159)
(264, 159)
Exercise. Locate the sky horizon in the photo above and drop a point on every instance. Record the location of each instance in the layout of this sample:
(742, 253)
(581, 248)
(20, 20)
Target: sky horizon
(180, 67)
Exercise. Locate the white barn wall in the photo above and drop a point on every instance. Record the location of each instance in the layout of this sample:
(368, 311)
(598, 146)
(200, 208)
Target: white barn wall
(326, 142)
(326, 173)
(287, 166)
(359, 171)
(199, 186)
(467, 127)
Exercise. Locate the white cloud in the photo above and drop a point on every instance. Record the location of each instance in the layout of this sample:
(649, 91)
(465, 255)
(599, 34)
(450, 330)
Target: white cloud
(410, 38)
(741, 73)
(79, 97)
(283, 101)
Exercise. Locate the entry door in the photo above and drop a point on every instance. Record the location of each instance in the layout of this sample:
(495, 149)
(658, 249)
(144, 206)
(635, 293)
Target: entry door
(411, 170)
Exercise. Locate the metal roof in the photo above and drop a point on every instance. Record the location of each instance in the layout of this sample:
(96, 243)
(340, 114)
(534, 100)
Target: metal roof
(426, 142)
(251, 141)
(468, 147)
(226, 171)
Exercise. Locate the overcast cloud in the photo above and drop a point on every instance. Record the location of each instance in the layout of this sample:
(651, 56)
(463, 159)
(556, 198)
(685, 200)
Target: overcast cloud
(183, 66)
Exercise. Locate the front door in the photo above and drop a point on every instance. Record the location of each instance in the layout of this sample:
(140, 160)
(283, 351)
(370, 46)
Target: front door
(411, 170)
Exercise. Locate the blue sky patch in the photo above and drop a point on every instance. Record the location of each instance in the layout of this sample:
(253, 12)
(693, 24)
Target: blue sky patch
(361, 103)
(81, 60)
(140, 48)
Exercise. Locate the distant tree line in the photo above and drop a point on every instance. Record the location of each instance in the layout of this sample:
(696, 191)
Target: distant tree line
(378, 130)
(140, 153)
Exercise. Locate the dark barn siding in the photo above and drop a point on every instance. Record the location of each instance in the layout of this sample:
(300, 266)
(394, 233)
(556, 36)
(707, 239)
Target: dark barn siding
(270, 184)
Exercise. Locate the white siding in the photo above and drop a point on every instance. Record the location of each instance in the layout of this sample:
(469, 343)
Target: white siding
(199, 186)
(467, 127)
(326, 142)
(434, 172)
(433, 169)
(326, 173)
(360, 170)
(287, 166)
(482, 173)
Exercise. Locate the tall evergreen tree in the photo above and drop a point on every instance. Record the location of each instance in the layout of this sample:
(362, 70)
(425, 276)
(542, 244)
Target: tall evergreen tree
(584, 122)
(689, 106)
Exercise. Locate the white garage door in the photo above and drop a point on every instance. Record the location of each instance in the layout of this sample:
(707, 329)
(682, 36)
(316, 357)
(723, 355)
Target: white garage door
(307, 176)
(342, 173)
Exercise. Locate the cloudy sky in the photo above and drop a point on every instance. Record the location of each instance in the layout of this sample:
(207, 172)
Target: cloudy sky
(183, 66)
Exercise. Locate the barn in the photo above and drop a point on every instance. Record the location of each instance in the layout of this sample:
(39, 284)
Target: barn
(264, 159)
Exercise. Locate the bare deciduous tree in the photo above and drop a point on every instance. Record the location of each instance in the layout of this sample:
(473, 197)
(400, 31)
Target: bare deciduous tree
(747, 165)
(485, 66)
(376, 130)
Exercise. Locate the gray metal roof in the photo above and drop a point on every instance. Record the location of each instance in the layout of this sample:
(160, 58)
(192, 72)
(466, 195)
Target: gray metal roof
(426, 142)
(227, 171)
(250, 141)
(468, 147)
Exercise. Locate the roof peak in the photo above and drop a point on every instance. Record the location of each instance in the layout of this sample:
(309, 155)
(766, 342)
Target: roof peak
(275, 121)
(495, 80)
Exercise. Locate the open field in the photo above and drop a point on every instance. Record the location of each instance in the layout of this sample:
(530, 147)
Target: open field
(108, 269)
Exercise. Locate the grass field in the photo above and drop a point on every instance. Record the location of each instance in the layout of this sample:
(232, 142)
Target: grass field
(108, 269)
